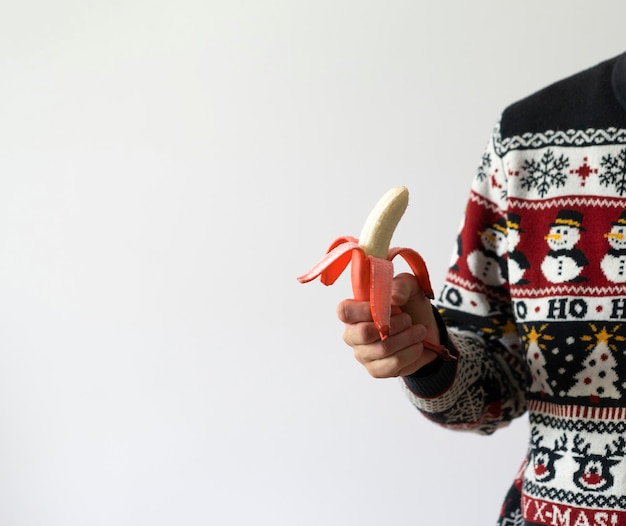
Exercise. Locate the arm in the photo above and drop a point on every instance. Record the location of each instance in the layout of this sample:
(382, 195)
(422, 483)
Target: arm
(487, 390)
(484, 390)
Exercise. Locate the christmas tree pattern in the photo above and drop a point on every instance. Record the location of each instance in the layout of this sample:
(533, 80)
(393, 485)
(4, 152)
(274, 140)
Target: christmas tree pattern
(535, 347)
(504, 329)
(549, 171)
(614, 173)
(598, 378)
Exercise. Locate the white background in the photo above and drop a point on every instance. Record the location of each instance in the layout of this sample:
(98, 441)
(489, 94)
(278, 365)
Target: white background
(167, 169)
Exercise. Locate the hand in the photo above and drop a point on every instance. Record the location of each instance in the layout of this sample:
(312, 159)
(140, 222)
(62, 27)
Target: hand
(401, 353)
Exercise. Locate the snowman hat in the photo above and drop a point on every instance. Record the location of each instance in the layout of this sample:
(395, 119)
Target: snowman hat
(513, 222)
(501, 225)
(621, 221)
(569, 218)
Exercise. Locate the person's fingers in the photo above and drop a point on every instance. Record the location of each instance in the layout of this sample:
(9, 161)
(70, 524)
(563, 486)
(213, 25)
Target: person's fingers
(352, 311)
(365, 333)
(405, 292)
(412, 321)
(380, 349)
(403, 363)
(403, 288)
(381, 362)
(409, 296)
(392, 365)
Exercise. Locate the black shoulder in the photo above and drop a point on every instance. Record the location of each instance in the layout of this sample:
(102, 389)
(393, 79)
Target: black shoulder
(579, 102)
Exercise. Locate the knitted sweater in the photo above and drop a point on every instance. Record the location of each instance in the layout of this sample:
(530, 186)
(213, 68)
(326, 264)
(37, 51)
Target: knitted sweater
(534, 303)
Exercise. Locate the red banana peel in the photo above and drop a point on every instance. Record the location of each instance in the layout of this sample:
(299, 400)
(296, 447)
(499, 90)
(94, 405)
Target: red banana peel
(372, 268)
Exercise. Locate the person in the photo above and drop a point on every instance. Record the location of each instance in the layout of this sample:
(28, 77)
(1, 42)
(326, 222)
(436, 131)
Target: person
(533, 305)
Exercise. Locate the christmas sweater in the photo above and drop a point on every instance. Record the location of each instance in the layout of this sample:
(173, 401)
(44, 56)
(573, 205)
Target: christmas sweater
(534, 302)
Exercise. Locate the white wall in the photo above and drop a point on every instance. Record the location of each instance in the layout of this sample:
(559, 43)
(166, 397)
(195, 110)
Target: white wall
(167, 169)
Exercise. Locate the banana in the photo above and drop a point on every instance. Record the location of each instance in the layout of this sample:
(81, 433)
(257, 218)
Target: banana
(371, 259)
(382, 221)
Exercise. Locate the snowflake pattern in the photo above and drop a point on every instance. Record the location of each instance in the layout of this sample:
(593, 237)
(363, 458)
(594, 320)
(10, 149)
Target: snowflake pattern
(614, 173)
(546, 173)
(485, 165)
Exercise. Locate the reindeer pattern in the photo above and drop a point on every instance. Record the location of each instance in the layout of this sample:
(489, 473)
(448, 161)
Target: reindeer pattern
(543, 459)
(594, 469)
(588, 461)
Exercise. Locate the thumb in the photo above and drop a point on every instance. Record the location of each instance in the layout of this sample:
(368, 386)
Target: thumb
(407, 294)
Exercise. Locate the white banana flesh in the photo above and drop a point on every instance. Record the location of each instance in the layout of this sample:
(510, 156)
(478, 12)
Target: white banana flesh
(382, 221)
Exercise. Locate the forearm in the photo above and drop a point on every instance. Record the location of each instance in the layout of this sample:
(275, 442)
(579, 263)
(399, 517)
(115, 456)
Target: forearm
(481, 392)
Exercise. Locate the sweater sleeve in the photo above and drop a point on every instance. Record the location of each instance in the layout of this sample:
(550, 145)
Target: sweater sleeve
(485, 388)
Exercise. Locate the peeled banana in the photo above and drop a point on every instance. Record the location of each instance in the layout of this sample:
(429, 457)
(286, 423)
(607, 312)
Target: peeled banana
(382, 221)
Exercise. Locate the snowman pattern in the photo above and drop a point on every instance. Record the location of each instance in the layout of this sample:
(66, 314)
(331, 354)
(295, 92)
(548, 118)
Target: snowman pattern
(613, 264)
(564, 262)
(487, 263)
(518, 263)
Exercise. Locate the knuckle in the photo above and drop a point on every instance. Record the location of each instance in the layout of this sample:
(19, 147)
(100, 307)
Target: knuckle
(388, 347)
(345, 311)
(347, 339)
(359, 333)
(368, 332)
(375, 372)
(341, 311)
(395, 365)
